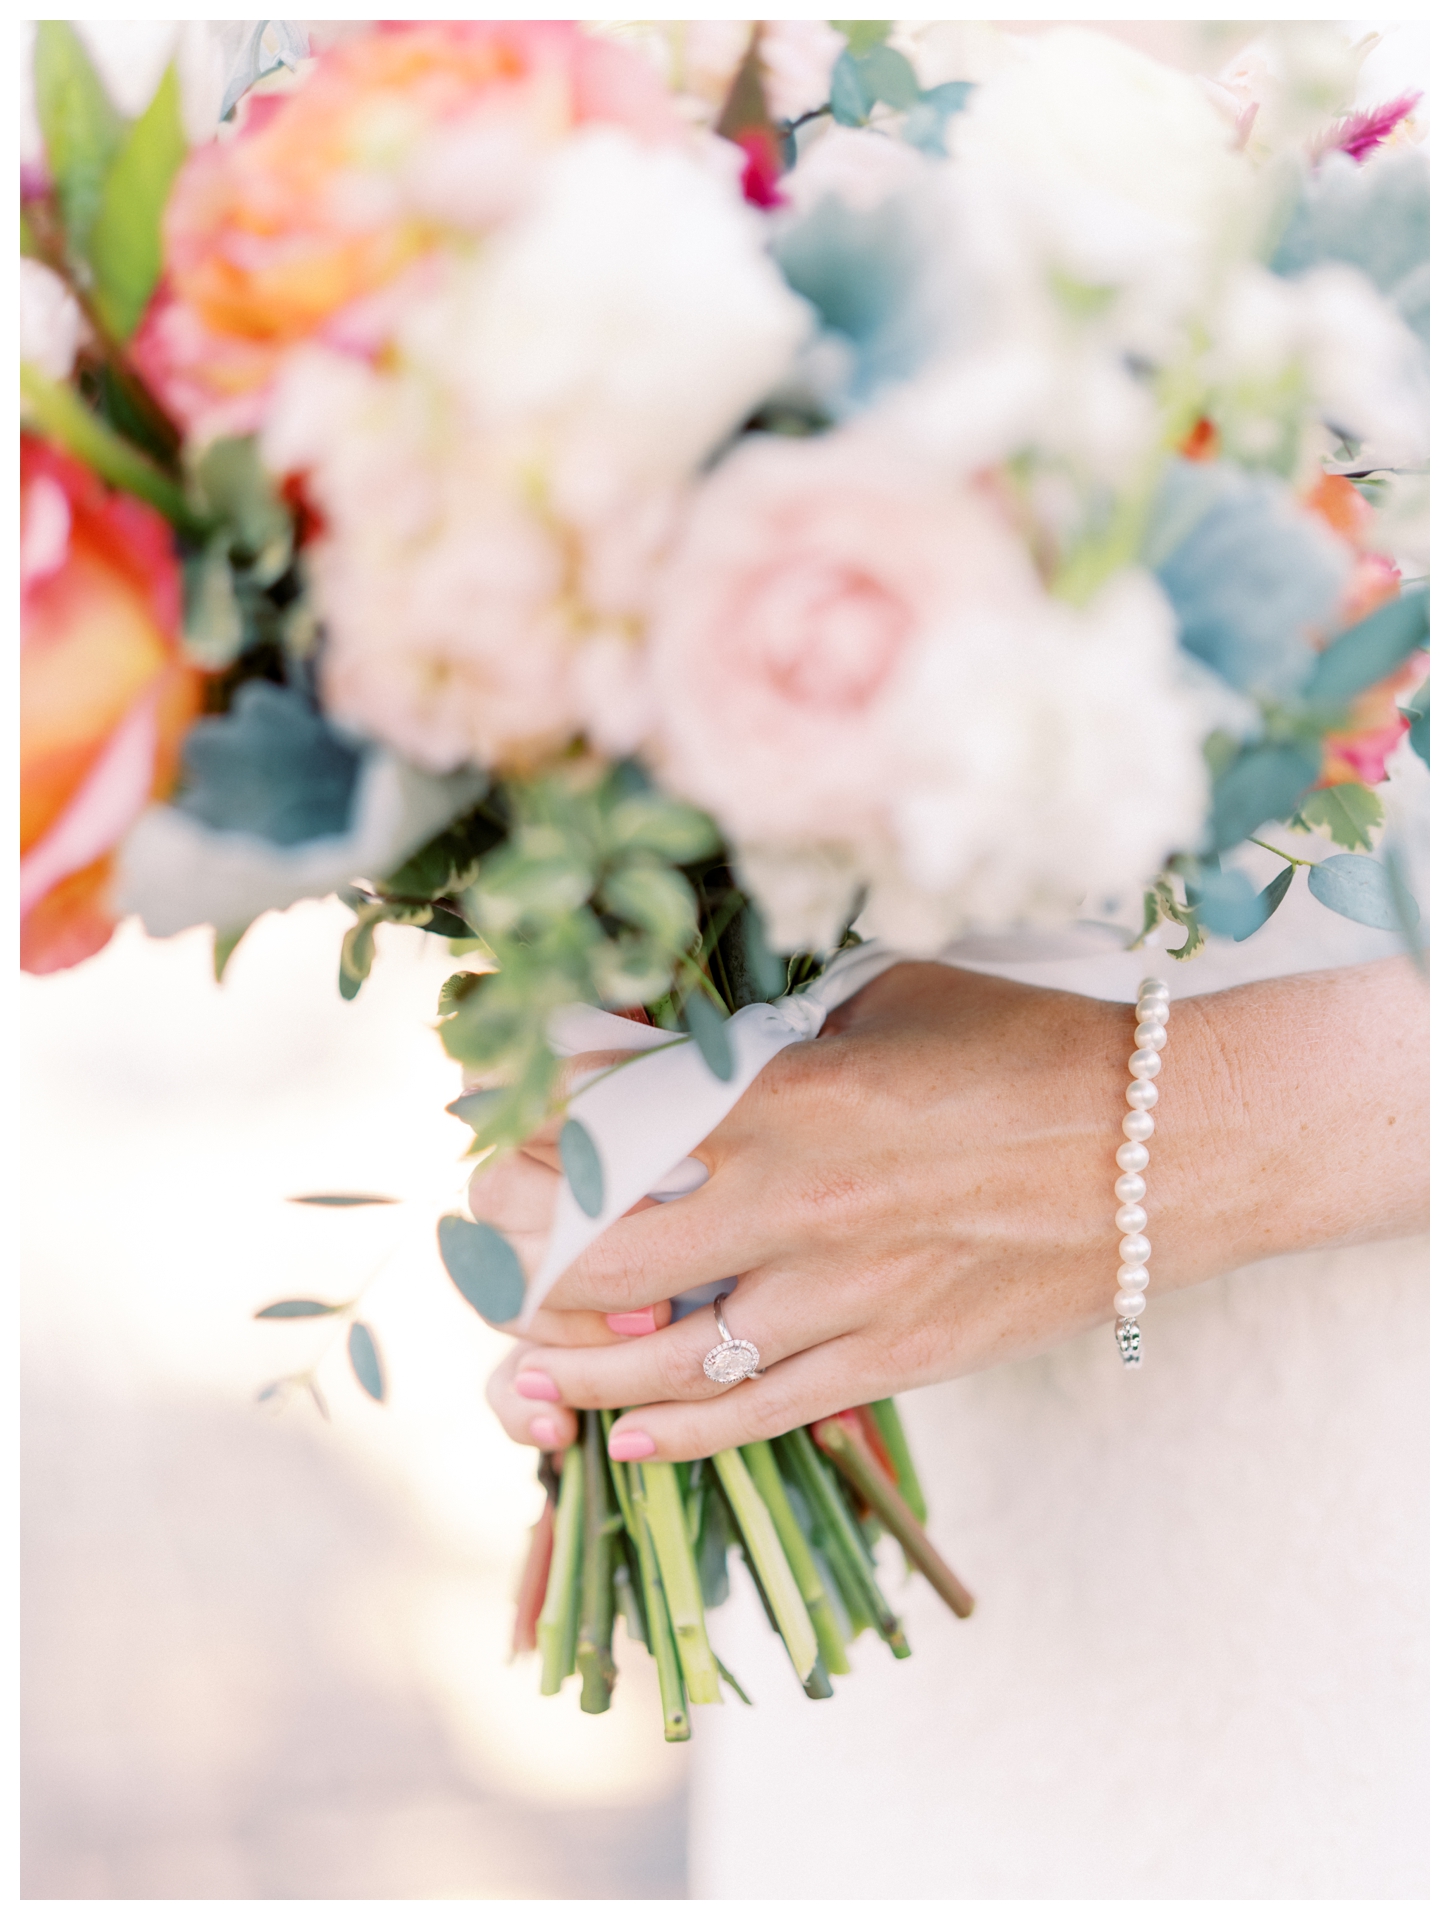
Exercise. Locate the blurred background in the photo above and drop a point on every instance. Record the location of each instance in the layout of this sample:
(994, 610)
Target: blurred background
(265, 1654)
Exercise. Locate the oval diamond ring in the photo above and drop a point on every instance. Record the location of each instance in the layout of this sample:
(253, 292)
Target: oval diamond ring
(733, 1360)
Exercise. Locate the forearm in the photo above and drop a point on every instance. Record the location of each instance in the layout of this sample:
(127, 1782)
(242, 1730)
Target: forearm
(1295, 1115)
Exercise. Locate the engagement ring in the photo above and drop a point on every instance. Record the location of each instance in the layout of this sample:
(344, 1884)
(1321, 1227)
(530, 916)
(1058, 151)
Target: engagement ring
(733, 1360)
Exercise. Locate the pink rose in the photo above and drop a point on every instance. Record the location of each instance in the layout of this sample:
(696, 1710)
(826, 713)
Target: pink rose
(812, 576)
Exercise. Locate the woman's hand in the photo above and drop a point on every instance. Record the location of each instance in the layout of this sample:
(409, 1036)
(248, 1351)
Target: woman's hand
(928, 1189)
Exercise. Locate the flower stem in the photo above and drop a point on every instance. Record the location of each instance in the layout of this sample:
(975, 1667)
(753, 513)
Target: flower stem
(766, 1475)
(893, 1435)
(752, 1516)
(533, 1583)
(841, 1438)
(664, 1515)
(657, 1620)
(61, 415)
(845, 1549)
(596, 1627)
(1281, 856)
(559, 1622)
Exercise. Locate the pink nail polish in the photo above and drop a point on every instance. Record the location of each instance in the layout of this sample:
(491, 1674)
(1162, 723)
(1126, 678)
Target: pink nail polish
(545, 1433)
(532, 1385)
(630, 1446)
(642, 1320)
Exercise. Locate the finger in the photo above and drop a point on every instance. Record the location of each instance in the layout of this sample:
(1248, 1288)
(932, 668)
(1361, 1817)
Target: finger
(807, 1387)
(583, 1329)
(774, 1312)
(656, 1252)
(524, 1417)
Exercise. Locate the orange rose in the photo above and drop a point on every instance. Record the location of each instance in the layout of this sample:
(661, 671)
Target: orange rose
(328, 194)
(1376, 726)
(105, 695)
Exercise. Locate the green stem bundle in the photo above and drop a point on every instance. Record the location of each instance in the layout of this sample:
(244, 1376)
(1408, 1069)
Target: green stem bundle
(649, 1541)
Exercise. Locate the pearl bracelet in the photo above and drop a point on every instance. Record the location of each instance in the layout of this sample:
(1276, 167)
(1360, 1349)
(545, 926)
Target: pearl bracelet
(1149, 1039)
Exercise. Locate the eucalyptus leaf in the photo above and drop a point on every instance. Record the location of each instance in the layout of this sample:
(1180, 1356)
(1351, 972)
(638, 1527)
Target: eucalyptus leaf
(862, 35)
(1367, 652)
(271, 766)
(583, 1168)
(1227, 903)
(300, 1310)
(477, 1109)
(710, 1033)
(1418, 715)
(767, 969)
(125, 242)
(343, 1200)
(1347, 814)
(1271, 899)
(82, 130)
(1360, 889)
(886, 76)
(362, 1351)
(483, 1266)
(850, 101)
(1264, 783)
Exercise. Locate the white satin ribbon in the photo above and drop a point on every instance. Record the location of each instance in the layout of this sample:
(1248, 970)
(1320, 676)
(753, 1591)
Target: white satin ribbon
(647, 1116)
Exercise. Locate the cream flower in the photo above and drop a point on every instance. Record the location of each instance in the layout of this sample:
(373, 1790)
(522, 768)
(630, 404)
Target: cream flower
(858, 672)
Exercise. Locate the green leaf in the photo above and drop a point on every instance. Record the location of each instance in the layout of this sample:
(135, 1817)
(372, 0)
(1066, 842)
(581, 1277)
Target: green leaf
(457, 987)
(480, 1108)
(214, 630)
(850, 102)
(647, 823)
(483, 1266)
(367, 1363)
(1361, 890)
(343, 1200)
(887, 76)
(583, 1168)
(656, 899)
(711, 1035)
(223, 946)
(300, 1310)
(125, 242)
(1262, 784)
(359, 946)
(233, 487)
(1346, 813)
(1418, 715)
(81, 128)
(1271, 899)
(862, 35)
(1366, 653)
(767, 969)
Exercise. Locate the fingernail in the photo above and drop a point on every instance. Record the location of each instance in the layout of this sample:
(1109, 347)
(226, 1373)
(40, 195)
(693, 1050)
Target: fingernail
(545, 1433)
(630, 1446)
(642, 1320)
(532, 1385)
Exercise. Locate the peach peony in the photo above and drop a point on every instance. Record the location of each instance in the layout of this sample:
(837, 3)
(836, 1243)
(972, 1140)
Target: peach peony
(104, 695)
(328, 193)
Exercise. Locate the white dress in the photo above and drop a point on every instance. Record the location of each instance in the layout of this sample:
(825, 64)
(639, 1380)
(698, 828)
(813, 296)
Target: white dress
(1198, 1666)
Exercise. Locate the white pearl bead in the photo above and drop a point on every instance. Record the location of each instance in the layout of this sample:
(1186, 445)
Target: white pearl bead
(1128, 1306)
(1132, 1156)
(1153, 1010)
(1152, 986)
(1130, 1219)
(1144, 1064)
(1130, 1186)
(1138, 1126)
(1142, 1094)
(1132, 1279)
(1150, 1034)
(1134, 1248)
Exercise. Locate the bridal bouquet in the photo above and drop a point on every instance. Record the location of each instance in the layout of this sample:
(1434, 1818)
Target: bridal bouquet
(658, 505)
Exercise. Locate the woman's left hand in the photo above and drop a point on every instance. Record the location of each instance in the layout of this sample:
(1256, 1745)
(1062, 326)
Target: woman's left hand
(927, 1190)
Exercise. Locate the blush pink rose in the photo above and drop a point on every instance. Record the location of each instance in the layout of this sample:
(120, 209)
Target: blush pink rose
(810, 579)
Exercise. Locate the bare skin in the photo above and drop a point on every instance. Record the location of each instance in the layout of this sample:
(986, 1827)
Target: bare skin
(927, 1190)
